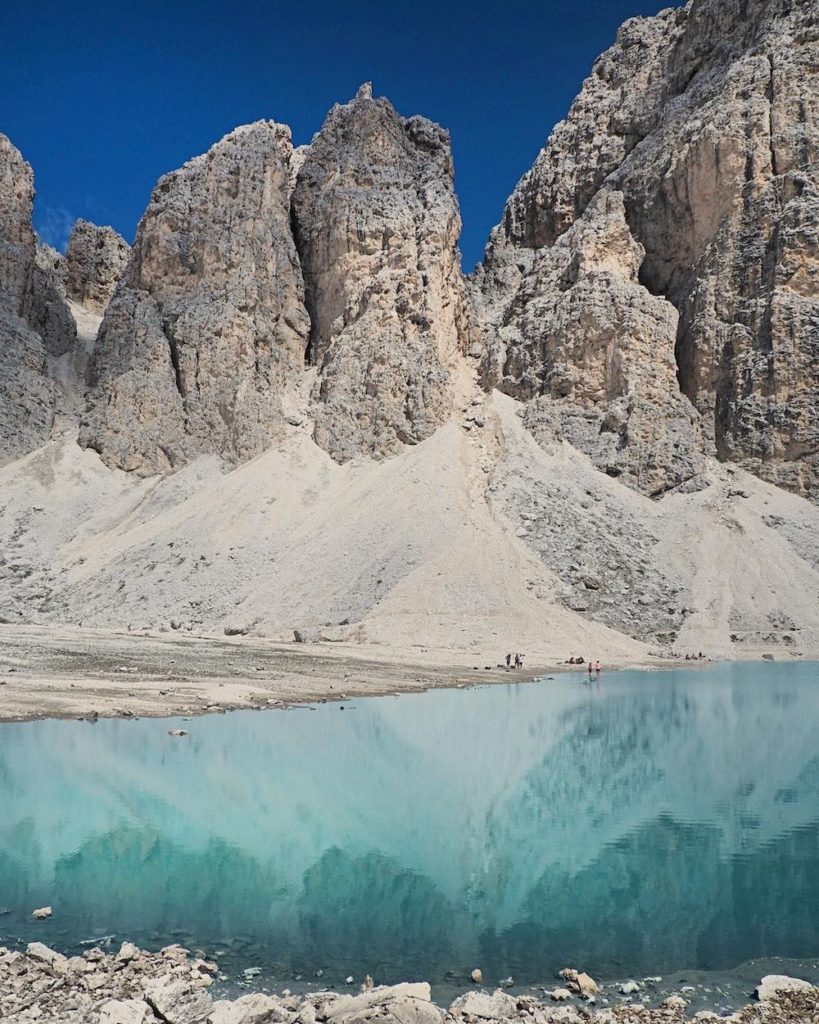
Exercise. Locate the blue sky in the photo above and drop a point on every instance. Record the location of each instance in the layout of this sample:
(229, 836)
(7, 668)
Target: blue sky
(104, 97)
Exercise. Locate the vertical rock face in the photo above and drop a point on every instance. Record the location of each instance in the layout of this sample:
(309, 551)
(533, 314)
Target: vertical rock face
(377, 226)
(34, 319)
(46, 308)
(94, 263)
(208, 321)
(705, 120)
(594, 351)
(731, 229)
(17, 240)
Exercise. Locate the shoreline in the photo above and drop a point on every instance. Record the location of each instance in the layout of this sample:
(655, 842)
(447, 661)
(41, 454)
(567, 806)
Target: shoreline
(57, 672)
(134, 986)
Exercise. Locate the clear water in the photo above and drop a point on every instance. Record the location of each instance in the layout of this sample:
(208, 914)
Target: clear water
(657, 822)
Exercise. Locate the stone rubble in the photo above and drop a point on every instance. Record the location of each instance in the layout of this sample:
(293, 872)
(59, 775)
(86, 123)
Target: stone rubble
(133, 986)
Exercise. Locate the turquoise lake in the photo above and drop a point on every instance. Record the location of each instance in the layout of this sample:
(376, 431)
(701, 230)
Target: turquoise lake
(654, 822)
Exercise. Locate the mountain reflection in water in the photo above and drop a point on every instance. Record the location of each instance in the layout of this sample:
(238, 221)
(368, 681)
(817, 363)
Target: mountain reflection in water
(660, 821)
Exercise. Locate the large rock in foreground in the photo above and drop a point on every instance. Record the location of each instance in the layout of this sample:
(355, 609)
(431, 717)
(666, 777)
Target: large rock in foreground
(377, 227)
(208, 322)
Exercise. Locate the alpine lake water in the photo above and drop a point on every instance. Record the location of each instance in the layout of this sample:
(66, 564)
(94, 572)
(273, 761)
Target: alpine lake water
(652, 822)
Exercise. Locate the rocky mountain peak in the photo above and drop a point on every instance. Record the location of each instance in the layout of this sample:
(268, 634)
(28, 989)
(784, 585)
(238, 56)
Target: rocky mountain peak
(95, 261)
(35, 323)
(208, 322)
(650, 292)
(377, 227)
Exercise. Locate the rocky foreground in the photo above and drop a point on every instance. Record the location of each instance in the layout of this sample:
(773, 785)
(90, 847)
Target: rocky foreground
(137, 987)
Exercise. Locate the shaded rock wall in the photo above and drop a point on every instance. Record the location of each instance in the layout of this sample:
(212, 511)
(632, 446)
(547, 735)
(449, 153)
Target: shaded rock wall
(593, 351)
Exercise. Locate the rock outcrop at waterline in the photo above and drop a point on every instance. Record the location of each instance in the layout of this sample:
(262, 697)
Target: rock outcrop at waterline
(377, 227)
(705, 120)
(208, 323)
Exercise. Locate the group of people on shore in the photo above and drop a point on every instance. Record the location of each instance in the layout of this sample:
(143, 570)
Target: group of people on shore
(595, 666)
(514, 661)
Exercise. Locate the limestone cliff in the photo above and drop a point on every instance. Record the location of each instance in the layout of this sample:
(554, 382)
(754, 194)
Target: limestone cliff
(377, 227)
(94, 263)
(704, 119)
(594, 352)
(208, 321)
(34, 319)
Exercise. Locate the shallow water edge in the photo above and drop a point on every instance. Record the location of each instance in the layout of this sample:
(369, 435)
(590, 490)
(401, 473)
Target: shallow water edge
(49, 672)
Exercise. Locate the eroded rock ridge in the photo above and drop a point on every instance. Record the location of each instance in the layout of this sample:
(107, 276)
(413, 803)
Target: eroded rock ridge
(94, 263)
(650, 294)
(209, 327)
